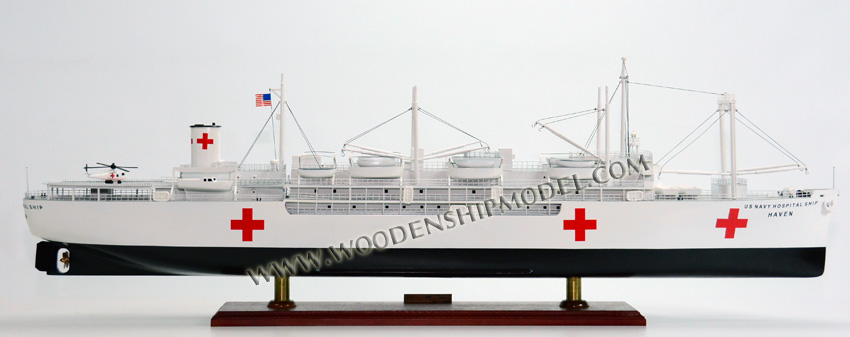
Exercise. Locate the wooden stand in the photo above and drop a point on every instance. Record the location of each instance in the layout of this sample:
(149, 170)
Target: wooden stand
(426, 309)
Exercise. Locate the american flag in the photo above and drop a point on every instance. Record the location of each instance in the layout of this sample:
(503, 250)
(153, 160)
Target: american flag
(264, 100)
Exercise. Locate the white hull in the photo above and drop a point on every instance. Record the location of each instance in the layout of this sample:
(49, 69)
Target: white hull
(771, 223)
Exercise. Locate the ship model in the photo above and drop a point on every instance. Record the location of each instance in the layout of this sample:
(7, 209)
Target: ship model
(462, 211)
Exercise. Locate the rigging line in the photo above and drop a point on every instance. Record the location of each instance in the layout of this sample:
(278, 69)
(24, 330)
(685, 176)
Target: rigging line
(571, 117)
(674, 88)
(568, 114)
(614, 94)
(775, 146)
(375, 127)
(452, 126)
(596, 129)
(599, 122)
(771, 138)
(310, 146)
(604, 112)
(688, 136)
(689, 144)
(258, 134)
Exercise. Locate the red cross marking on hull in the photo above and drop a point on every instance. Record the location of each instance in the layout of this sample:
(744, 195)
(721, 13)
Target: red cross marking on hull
(731, 223)
(247, 224)
(580, 224)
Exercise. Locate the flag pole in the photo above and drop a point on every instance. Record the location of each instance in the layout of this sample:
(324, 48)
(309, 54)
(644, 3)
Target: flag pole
(274, 140)
(279, 93)
(280, 134)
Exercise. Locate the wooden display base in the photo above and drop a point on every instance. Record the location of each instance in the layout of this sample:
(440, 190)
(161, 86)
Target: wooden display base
(396, 313)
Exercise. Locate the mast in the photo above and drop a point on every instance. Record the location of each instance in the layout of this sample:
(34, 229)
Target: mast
(280, 115)
(607, 132)
(722, 106)
(598, 121)
(414, 133)
(282, 106)
(733, 147)
(623, 83)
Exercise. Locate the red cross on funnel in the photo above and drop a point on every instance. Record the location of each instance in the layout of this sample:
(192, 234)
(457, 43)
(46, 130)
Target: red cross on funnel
(205, 141)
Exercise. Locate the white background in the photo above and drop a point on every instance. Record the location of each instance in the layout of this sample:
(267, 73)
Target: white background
(98, 81)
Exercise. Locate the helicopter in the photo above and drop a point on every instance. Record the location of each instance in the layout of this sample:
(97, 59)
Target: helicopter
(111, 176)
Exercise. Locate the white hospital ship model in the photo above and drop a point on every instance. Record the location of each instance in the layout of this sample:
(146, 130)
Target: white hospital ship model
(466, 210)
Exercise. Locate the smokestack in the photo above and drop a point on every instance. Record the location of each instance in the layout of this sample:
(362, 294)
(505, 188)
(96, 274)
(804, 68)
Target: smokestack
(206, 144)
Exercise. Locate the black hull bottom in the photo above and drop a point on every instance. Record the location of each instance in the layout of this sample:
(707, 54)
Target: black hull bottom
(152, 260)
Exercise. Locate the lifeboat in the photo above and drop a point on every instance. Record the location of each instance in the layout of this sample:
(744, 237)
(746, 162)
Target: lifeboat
(317, 165)
(473, 166)
(375, 167)
(562, 167)
(572, 162)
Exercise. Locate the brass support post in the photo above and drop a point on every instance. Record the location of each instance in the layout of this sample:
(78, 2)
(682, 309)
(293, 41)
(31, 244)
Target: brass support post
(281, 294)
(574, 300)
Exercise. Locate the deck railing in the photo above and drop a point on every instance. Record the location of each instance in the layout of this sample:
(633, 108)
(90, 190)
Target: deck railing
(92, 194)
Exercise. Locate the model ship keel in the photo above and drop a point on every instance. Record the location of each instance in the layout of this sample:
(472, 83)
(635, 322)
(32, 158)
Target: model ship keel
(414, 262)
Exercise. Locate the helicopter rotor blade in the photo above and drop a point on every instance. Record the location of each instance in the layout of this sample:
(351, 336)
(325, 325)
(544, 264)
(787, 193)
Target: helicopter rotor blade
(112, 166)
